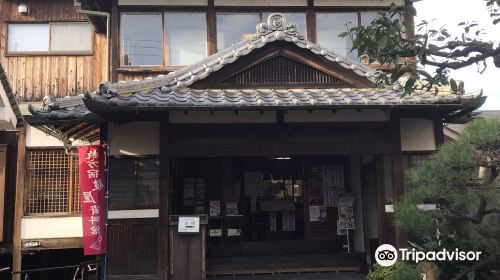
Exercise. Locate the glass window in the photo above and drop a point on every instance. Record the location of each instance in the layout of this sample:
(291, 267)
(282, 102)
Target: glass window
(330, 25)
(186, 37)
(368, 17)
(297, 18)
(134, 182)
(141, 39)
(28, 38)
(234, 28)
(65, 37)
(71, 37)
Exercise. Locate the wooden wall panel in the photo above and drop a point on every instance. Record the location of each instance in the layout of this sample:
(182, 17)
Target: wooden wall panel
(133, 247)
(33, 77)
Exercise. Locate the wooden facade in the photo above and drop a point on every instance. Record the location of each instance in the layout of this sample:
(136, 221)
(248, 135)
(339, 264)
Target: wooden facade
(32, 77)
(365, 138)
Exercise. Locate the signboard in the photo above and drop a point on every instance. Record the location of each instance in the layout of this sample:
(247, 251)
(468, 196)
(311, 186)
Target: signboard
(189, 225)
(92, 164)
(32, 244)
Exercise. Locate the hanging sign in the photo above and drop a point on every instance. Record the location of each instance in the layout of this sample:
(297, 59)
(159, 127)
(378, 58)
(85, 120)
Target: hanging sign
(92, 167)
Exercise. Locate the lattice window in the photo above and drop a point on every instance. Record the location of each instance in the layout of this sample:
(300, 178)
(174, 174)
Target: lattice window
(52, 182)
(134, 183)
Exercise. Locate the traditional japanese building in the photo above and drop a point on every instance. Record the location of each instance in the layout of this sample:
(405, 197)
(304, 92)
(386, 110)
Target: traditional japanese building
(253, 117)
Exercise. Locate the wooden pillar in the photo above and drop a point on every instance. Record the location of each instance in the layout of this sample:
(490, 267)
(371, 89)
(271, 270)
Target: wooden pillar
(382, 216)
(115, 43)
(19, 203)
(164, 212)
(3, 183)
(397, 171)
(311, 22)
(211, 29)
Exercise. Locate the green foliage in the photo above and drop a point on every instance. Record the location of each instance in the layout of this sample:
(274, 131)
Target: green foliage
(399, 271)
(406, 46)
(451, 180)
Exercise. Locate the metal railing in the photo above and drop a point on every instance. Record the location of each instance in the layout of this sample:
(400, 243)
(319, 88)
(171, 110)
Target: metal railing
(81, 271)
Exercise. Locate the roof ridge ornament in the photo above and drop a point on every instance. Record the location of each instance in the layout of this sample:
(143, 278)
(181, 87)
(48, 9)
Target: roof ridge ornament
(278, 22)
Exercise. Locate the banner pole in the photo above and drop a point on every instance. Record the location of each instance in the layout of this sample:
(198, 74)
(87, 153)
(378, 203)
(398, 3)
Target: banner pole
(107, 208)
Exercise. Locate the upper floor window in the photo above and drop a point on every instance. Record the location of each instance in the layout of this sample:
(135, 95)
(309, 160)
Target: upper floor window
(328, 28)
(50, 38)
(233, 28)
(185, 35)
(330, 24)
(142, 38)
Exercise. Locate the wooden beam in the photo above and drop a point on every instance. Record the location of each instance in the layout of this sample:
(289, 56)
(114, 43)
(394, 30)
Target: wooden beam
(19, 203)
(164, 212)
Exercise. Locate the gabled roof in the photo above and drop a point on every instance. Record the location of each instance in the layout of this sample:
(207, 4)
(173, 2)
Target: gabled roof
(178, 90)
(276, 29)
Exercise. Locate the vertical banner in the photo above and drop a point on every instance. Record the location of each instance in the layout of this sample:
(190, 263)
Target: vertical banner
(92, 167)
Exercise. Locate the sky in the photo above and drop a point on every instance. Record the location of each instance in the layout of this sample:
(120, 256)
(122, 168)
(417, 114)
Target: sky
(452, 12)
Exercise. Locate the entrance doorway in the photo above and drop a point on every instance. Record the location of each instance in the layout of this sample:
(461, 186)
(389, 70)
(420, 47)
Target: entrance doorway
(270, 214)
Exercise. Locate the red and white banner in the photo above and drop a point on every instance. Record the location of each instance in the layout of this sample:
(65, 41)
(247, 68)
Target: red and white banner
(92, 163)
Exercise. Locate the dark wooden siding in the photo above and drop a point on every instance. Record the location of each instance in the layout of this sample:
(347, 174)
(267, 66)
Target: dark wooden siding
(33, 77)
(133, 247)
(281, 70)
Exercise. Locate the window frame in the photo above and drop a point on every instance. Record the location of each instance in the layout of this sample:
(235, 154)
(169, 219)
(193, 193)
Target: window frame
(164, 67)
(8, 53)
(133, 207)
(211, 15)
(73, 202)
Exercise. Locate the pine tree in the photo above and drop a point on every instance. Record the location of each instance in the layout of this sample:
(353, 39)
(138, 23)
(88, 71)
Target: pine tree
(462, 180)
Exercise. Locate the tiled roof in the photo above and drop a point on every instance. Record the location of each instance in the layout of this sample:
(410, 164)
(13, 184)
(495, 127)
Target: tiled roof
(290, 98)
(10, 96)
(276, 29)
(65, 108)
(172, 91)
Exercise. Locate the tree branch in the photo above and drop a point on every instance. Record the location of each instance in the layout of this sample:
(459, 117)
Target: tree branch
(461, 64)
(493, 259)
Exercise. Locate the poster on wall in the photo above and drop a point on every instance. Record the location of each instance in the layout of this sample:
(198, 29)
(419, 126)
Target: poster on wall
(92, 166)
(215, 208)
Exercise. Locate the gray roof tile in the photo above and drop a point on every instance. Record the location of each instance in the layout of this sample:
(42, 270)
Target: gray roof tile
(211, 98)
